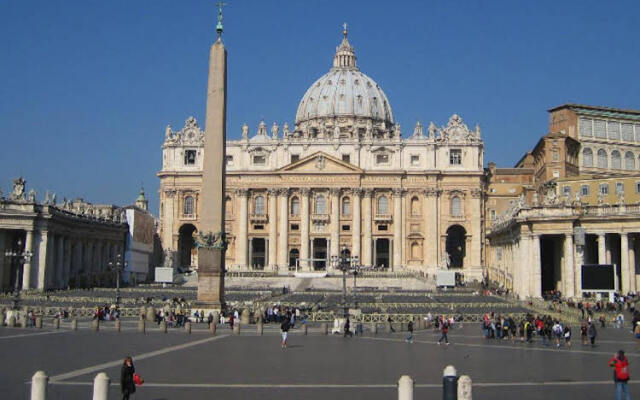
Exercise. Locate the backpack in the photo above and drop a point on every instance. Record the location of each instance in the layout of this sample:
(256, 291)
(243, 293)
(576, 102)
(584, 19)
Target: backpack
(622, 372)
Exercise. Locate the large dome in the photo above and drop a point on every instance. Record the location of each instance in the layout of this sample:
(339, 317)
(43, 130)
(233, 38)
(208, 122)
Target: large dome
(344, 92)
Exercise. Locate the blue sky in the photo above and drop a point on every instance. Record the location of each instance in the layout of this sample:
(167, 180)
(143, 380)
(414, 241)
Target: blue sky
(88, 86)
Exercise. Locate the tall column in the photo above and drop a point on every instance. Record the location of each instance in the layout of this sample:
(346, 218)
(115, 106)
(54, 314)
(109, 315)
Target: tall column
(633, 284)
(366, 241)
(602, 252)
(43, 248)
(59, 262)
(66, 274)
(624, 263)
(283, 239)
(536, 267)
(397, 229)
(431, 221)
(355, 229)
(26, 269)
(273, 228)
(241, 242)
(522, 270)
(579, 260)
(304, 228)
(569, 267)
(335, 222)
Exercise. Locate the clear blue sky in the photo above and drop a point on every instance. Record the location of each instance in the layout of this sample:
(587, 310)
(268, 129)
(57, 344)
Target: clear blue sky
(88, 86)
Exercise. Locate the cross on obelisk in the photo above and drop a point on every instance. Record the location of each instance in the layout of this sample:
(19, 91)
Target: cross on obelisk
(211, 236)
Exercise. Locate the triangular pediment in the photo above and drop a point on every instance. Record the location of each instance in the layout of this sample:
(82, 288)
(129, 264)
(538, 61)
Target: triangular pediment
(321, 163)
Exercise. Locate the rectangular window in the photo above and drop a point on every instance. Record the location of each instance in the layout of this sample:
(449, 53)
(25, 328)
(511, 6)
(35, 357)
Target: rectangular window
(258, 227)
(259, 159)
(382, 227)
(492, 214)
(585, 127)
(627, 132)
(295, 157)
(566, 190)
(189, 157)
(637, 187)
(346, 227)
(229, 160)
(346, 158)
(584, 190)
(455, 157)
(614, 130)
(600, 128)
(295, 227)
(415, 160)
(382, 159)
(637, 129)
(619, 188)
(604, 189)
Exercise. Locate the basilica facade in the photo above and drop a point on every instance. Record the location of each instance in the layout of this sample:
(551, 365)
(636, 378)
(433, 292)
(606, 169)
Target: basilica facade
(341, 180)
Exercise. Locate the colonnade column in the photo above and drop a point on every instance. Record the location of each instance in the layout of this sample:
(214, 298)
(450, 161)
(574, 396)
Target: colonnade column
(355, 238)
(42, 259)
(522, 276)
(67, 262)
(241, 243)
(26, 270)
(60, 263)
(602, 251)
(283, 238)
(536, 267)
(624, 263)
(273, 228)
(632, 264)
(568, 268)
(335, 222)
(366, 241)
(579, 260)
(397, 228)
(304, 228)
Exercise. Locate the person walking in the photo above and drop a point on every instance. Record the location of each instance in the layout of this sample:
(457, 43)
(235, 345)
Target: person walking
(620, 366)
(127, 386)
(284, 327)
(444, 330)
(592, 332)
(347, 330)
(409, 338)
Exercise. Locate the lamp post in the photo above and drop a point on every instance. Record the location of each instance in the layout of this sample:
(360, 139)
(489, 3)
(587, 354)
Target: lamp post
(346, 265)
(116, 266)
(20, 257)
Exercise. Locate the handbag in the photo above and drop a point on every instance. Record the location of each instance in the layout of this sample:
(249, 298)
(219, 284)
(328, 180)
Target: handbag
(137, 380)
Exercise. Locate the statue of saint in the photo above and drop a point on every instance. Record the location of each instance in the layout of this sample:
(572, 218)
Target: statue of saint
(274, 131)
(285, 130)
(245, 131)
(167, 132)
(445, 262)
(32, 196)
(18, 189)
(432, 130)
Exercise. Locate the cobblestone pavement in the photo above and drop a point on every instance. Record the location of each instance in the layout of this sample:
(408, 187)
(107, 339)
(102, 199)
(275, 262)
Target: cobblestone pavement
(198, 366)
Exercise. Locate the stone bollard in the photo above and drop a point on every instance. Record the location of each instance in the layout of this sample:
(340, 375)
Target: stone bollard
(101, 386)
(245, 317)
(388, 327)
(56, 323)
(39, 383)
(305, 329)
(74, 324)
(150, 314)
(324, 328)
(118, 326)
(95, 325)
(449, 383)
(212, 328)
(405, 388)
(187, 327)
(464, 388)
(236, 329)
(141, 326)
(163, 326)
(12, 322)
(39, 322)
(374, 329)
(216, 317)
(260, 328)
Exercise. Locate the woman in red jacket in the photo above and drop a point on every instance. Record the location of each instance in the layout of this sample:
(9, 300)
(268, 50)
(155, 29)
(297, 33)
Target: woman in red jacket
(620, 375)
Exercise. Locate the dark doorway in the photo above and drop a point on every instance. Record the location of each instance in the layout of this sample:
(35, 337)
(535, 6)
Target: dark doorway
(319, 254)
(186, 245)
(551, 252)
(456, 245)
(294, 255)
(258, 253)
(590, 249)
(382, 253)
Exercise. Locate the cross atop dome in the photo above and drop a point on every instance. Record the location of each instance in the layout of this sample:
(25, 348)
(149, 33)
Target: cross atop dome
(344, 29)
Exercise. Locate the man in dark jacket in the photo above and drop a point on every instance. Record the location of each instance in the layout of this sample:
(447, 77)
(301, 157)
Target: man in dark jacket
(620, 366)
(127, 385)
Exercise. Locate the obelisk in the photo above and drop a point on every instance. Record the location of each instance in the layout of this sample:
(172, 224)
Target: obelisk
(211, 237)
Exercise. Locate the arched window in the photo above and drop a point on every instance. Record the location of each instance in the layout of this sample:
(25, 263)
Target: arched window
(603, 160)
(629, 161)
(415, 206)
(383, 205)
(320, 205)
(258, 205)
(615, 159)
(456, 206)
(587, 157)
(295, 206)
(346, 206)
(189, 204)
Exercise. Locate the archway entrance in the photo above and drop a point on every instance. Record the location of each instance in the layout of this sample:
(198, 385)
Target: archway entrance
(382, 253)
(186, 245)
(258, 253)
(319, 253)
(455, 245)
(551, 251)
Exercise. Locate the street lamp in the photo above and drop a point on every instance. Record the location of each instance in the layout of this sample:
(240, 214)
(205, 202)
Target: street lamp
(20, 257)
(345, 264)
(116, 266)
